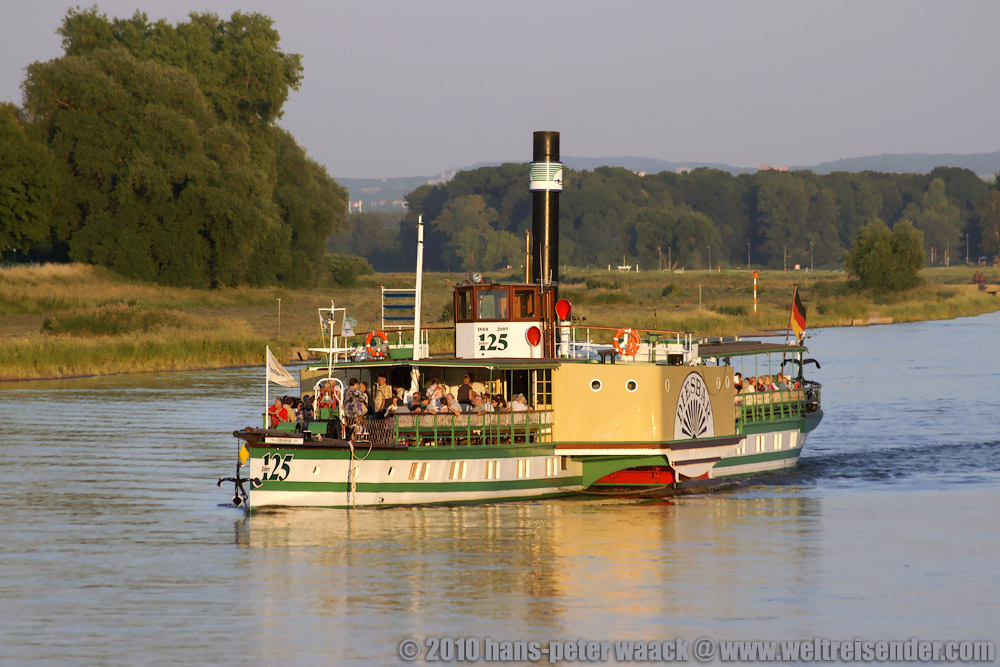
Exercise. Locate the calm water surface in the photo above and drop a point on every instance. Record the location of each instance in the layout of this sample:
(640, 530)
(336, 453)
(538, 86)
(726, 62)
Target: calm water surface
(118, 548)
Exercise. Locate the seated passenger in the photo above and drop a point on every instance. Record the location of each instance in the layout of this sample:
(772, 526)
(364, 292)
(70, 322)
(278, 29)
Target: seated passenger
(750, 386)
(519, 404)
(414, 402)
(499, 404)
(478, 406)
(279, 413)
(779, 382)
(451, 405)
(737, 383)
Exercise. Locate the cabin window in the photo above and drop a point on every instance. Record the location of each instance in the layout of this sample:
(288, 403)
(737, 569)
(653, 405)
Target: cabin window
(777, 441)
(595, 384)
(523, 469)
(524, 304)
(551, 466)
(457, 470)
(463, 307)
(543, 388)
(631, 385)
(492, 470)
(492, 305)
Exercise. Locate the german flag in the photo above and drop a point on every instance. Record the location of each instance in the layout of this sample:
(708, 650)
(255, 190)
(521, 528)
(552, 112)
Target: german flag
(798, 321)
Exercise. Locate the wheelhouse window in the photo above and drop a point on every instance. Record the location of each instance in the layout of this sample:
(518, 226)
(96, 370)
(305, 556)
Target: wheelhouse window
(525, 304)
(492, 305)
(463, 306)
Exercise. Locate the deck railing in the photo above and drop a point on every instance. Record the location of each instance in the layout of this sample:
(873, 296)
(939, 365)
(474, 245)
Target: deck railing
(768, 406)
(447, 429)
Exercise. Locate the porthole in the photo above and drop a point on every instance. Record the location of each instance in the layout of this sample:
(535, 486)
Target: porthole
(631, 385)
(718, 383)
(727, 382)
(666, 386)
(595, 385)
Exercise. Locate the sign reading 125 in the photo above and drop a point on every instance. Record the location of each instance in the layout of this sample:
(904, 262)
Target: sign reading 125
(276, 468)
(492, 342)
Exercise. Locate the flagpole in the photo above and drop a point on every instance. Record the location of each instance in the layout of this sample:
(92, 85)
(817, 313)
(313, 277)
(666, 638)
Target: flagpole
(267, 397)
(791, 310)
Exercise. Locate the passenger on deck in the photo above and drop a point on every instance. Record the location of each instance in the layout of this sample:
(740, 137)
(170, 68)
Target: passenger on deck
(518, 403)
(279, 413)
(381, 393)
(499, 404)
(779, 382)
(465, 391)
(478, 405)
(355, 401)
(451, 405)
(415, 402)
(750, 386)
(396, 407)
(738, 382)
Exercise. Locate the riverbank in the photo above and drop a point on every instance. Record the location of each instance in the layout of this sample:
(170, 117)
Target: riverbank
(70, 320)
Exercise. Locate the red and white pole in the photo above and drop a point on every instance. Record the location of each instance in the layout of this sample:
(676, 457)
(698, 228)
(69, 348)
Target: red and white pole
(754, 291)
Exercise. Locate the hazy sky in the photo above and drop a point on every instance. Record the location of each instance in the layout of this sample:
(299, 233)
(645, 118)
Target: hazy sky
(415, 88)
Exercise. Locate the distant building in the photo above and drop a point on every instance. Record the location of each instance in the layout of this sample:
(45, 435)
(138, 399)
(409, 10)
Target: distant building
(683, 170)
(767, 167)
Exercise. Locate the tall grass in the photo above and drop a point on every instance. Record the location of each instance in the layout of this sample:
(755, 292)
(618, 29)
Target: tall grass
(72, 319)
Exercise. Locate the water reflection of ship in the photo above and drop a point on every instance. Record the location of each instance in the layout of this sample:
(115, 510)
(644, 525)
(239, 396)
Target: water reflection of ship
(530, 560)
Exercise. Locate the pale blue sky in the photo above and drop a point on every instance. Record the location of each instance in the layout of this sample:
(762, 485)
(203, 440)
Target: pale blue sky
(415, 88)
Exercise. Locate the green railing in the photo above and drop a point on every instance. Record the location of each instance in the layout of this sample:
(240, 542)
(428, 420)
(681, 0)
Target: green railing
(770, 406)
(449, 430)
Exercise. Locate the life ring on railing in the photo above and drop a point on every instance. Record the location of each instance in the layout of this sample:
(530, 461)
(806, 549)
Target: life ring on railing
(376, 352)
(626, 342)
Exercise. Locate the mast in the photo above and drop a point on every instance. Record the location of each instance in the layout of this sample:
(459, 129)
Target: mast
(420, 283)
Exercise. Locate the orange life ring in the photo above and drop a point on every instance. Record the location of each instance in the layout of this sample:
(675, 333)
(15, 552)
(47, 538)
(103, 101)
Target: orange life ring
(626, 342)
(376, 353)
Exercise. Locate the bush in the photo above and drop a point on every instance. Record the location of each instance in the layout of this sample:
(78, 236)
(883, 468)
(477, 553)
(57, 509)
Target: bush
(886, 260)
(736, 311)
(672, 291)
(345, 269)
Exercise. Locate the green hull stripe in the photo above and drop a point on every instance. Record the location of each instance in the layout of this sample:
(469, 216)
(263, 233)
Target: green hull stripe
(759, 458)
(410, 454)
(424, 487)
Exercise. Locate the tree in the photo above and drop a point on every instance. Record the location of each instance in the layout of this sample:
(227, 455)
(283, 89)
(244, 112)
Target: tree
(28, 184)
(989, 222)
(886, 260)
(164, 191)
(938, 218)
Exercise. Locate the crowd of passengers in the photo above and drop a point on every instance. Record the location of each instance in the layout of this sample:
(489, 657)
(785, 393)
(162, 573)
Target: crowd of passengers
(385, 400)
(751, 385)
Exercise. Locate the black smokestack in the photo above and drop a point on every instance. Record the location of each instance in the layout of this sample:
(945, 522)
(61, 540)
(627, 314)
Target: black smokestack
(546, 184)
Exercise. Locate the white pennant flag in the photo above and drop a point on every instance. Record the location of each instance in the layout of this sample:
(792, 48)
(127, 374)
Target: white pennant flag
(276, 372)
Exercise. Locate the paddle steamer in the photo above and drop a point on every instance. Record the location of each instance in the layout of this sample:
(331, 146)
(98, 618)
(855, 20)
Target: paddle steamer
(641, 412)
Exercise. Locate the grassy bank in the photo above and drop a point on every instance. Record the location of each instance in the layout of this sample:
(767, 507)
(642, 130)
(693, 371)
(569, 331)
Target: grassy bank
(72, 320)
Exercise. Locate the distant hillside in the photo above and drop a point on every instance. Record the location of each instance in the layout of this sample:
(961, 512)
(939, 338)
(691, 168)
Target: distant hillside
(386, 194)
(984, 164)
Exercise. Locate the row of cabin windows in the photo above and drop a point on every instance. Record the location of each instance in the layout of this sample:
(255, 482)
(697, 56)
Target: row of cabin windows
(419, 470)
(497, 303)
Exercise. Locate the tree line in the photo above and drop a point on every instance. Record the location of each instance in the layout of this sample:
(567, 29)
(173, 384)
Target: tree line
(696, 220)
(152, 149)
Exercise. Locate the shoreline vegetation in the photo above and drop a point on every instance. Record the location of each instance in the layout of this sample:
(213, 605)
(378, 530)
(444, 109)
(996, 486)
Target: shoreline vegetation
(73, 320)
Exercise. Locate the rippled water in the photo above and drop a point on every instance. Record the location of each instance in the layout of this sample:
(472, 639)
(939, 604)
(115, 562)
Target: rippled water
(118, 548)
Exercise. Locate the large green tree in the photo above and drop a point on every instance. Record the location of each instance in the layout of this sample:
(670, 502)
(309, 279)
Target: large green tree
(164, 190)
(29, 178)
(178, 172)
(886, 260)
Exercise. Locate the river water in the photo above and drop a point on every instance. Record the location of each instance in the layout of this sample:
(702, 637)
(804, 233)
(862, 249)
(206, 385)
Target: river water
(118, 548)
